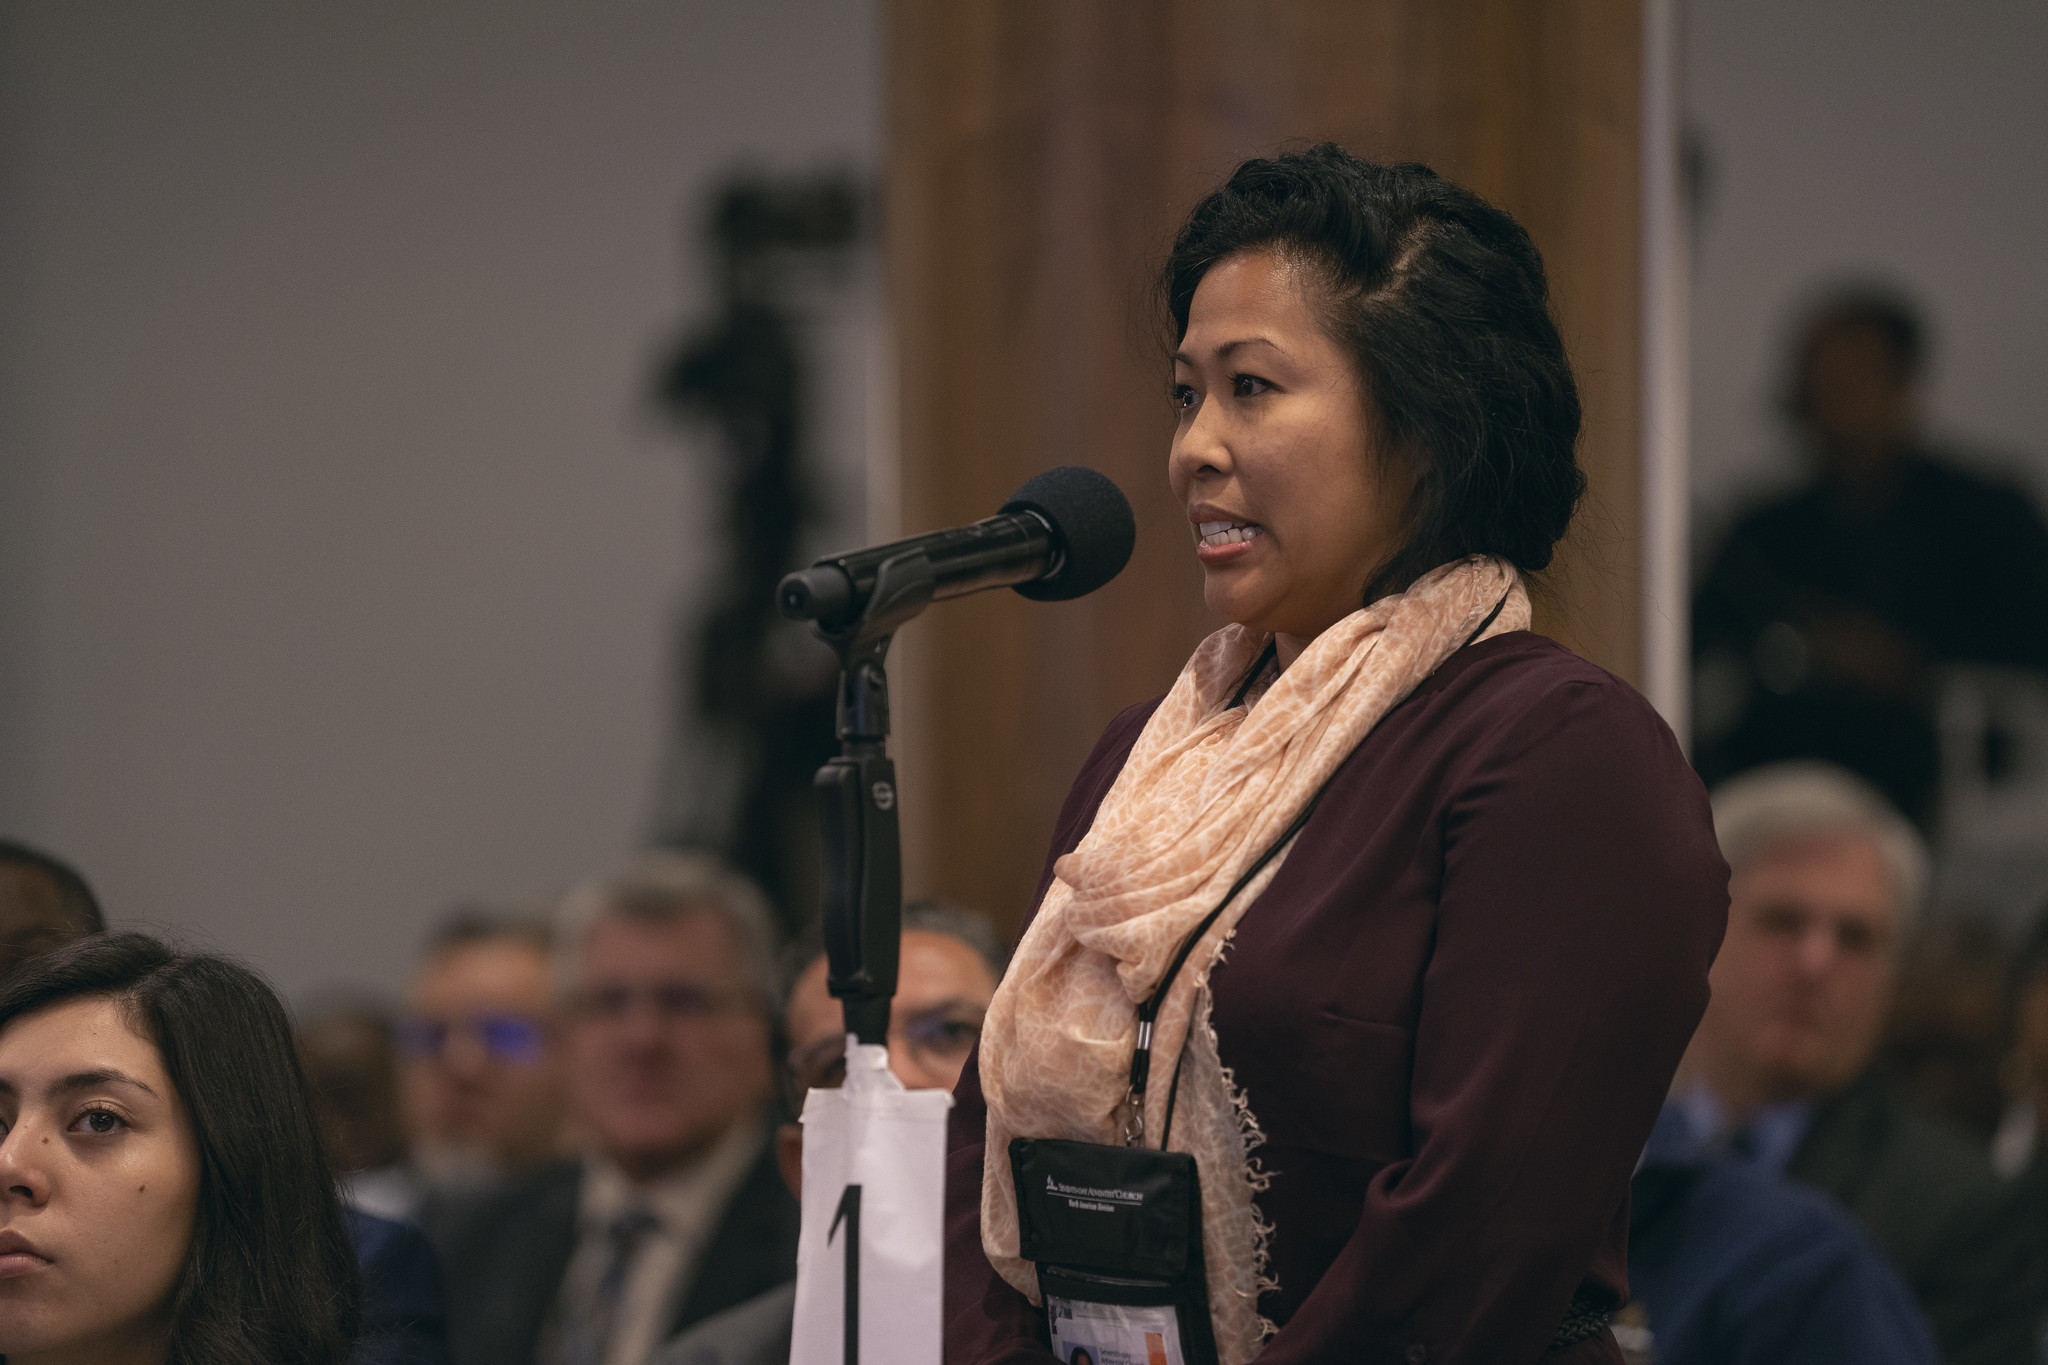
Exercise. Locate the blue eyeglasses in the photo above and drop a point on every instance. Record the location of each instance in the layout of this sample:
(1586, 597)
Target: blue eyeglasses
(516, 1038)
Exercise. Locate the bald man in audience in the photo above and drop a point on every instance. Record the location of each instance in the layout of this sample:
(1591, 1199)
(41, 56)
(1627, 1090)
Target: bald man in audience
(44, 904)
(1826, 879)
(951, 961)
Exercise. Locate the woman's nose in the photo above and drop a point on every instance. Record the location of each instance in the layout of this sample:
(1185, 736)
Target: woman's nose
(1200, 450)
(24, 1172)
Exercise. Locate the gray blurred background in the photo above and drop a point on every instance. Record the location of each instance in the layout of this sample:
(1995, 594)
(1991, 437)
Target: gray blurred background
(341, 546)
(342, 549)
(1899, 141)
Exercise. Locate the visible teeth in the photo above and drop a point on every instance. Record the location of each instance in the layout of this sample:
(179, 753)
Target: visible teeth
(1227, 532)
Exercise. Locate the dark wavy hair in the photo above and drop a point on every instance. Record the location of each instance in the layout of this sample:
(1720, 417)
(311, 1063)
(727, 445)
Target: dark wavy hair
(1440, 299)
(270, 1277)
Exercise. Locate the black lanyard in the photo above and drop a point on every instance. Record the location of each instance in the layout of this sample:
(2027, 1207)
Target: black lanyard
(1148, 1012)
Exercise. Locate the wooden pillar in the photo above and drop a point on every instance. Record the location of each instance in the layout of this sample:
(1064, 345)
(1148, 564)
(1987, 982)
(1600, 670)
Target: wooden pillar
(1042, 153)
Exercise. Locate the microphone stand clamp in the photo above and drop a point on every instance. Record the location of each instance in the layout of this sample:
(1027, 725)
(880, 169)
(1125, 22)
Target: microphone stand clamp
(857, 804)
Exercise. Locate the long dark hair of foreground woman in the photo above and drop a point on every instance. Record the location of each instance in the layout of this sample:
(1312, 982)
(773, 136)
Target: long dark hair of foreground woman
(269, 1276)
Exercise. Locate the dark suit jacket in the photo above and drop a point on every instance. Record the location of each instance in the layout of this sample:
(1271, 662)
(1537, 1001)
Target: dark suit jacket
(758, 1332)
(1926, 1197)
(1455, 1012)
(404, 1311)
(505, 1252)
(1732, 1264)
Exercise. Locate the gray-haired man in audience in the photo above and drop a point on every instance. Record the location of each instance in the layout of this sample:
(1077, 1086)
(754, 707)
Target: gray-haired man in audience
(1825, 881)
(668, 981)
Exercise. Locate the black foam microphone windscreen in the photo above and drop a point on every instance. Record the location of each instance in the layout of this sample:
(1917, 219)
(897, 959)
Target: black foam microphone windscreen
(1092, 521)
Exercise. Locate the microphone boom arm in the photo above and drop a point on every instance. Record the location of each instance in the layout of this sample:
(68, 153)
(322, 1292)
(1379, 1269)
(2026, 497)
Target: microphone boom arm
(838, 591)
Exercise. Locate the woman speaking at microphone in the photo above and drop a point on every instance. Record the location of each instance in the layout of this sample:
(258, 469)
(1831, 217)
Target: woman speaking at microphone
(1414, 907)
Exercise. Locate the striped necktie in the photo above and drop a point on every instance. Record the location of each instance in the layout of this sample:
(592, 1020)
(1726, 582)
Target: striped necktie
(590, 1340)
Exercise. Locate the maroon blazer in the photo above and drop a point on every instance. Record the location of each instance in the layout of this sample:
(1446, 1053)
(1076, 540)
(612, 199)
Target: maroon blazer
(1454, 1011)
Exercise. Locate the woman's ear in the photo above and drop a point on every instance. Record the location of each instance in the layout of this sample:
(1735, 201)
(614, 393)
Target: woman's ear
(1398, 471)
(1399, 468)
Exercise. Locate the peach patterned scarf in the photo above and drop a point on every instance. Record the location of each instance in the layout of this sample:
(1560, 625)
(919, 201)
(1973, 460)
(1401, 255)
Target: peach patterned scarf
(1206, 790)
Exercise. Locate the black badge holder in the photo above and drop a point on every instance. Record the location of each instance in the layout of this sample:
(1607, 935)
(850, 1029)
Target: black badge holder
(1116, 1232)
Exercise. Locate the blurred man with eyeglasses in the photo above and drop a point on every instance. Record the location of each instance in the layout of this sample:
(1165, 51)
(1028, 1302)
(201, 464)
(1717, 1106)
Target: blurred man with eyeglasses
(481, 1054)
(667, 981)
(951, 960)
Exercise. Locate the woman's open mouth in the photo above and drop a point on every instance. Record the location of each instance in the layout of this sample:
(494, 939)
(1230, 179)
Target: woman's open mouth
(1219, 533)
(1219, 542)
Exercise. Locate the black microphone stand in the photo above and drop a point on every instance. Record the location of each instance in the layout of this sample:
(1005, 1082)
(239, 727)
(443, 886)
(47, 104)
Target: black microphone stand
(863, 872)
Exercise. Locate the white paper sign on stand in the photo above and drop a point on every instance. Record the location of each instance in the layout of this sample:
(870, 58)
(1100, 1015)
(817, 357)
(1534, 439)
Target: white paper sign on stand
(870, 1252)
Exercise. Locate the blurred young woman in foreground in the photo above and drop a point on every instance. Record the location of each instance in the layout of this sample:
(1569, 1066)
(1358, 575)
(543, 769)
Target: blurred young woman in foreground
(163, 1196)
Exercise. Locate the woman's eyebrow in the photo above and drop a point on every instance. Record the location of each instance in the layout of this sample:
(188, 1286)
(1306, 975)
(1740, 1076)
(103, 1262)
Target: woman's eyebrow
(1182, 358)
(94, 1079)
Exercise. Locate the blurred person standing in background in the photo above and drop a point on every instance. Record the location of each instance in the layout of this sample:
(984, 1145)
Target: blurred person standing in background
(1825, 879)
(1819, 616)
(676, 1210)
(44, 904)
(482, 1064)
(950, 963)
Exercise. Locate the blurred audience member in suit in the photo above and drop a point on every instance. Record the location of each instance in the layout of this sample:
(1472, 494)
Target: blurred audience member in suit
(405, 1313)
(1733, 1264)
(951, 960)
(676, 1210)
(350, 1055)
(1949, 1041)
(44, 904)
(2018, 1145)
(1825, 879)
(1820, 613)
(482, 1053)
(2020, 1149)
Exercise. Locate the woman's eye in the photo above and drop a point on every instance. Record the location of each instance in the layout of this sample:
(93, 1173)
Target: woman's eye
(1248, 385)
(1183, 396)
(98, 1122)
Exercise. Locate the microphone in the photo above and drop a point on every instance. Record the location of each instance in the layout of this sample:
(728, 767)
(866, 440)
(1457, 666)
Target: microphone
(1064, 534)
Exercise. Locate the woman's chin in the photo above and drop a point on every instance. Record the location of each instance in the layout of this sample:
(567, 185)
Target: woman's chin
(1237, 614)
(25, 1334)
(1235, 597)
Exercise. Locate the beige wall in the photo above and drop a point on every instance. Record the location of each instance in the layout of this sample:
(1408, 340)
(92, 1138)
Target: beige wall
(338, 551)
